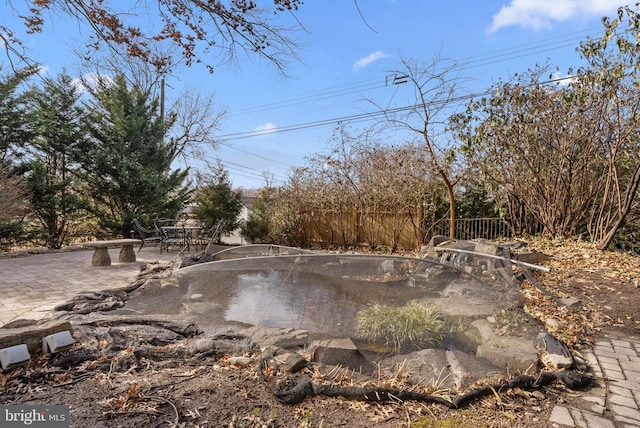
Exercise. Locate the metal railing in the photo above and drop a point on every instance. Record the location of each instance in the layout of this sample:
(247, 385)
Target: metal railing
(475, 228)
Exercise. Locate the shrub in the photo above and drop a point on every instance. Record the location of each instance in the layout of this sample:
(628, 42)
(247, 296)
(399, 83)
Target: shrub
(412, 324)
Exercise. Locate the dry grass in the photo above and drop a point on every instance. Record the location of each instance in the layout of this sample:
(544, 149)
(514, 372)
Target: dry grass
(410, 325)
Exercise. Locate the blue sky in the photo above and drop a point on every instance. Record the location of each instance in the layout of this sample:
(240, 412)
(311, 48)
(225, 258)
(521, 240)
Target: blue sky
(348, 52)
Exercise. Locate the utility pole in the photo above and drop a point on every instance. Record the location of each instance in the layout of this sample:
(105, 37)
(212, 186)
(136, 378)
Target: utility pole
(162, 103)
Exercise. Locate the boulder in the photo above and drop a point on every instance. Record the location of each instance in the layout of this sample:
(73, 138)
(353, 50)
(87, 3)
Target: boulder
(340, 352)
(439, 368)
(515, 353)
(557, 353)
(282, 337)
(518, 353)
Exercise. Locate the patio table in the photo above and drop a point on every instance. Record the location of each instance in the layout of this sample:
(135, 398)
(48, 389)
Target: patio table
(178, 235)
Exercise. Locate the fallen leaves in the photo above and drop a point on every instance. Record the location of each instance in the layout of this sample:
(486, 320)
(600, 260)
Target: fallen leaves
(573, 327)
(605, 282)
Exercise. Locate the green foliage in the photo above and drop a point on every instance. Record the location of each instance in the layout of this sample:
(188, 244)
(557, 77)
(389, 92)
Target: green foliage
(628, 239)
(257, 228)
(12, 114)
(127, 164)
(10, 233)
(307, 421)
(412, 324)
(475, 201)
(215, 200)
(56, 121)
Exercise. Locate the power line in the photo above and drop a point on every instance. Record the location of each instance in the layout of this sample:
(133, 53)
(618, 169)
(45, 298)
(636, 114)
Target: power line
(477, 60)
(314, 96)
(356, 118)
(351, 119)
(246, 171)
(252, 154)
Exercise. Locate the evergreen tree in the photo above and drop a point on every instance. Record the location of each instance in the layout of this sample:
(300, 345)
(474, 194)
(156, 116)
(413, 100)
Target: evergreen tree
(56, 121)
(216, 200)
(257, 228)
(127, 163)
(13, 129)
(14, 132)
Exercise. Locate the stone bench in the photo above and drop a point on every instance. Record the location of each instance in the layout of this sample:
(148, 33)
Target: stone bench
(101, 253)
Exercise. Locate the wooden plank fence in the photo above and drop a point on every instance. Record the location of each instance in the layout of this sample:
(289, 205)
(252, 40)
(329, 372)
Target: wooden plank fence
(349, 229)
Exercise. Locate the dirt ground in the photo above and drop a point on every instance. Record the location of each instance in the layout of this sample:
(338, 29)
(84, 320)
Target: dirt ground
(214, 392)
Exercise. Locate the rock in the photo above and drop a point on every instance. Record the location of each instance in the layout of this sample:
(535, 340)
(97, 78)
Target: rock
(554, 324)
(283, 360)
(439, 368)
(485, 330)
(571, 303)
(579, 360)
(515, 353)
(474, 306)
(457, 289)
(557, 353)
(491, 249)
(241, 362)
(538, 395)
(293, 363)
(427, 250)
(557, 361)
(223, 344)
(282, 337)
(340, 352)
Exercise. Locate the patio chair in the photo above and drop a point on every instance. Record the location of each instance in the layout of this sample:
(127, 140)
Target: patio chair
(212, 234)
(147, 235)
(173, 233)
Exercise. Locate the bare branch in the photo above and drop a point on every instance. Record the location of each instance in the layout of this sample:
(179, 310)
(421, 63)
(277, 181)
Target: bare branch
(194, 27)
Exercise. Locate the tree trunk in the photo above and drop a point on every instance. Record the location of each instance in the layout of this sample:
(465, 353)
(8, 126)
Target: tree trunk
(452, 210)
(622, 214)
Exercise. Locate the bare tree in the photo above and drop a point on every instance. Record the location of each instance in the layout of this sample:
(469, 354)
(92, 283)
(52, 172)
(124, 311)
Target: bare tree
(570, 154)
(435, 88)
(393, 184)
(196, 119)
(137, 72)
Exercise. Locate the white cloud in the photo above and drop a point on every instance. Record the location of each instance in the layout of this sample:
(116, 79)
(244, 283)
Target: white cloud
(365, 61)
(43, 70)
(91, 81)
(563, 79)
(266, 128)
(541, 14)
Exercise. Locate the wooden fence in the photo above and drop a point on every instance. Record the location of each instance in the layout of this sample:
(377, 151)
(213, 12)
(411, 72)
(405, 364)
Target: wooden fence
(355, 229)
